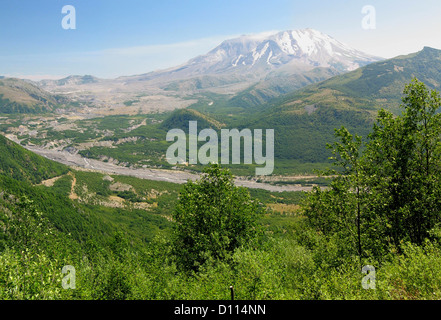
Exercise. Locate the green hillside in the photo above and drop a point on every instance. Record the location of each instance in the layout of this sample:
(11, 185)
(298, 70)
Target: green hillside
(94, 214)
(179, 120)
(277, 85)
(305, 120)
(23, 165)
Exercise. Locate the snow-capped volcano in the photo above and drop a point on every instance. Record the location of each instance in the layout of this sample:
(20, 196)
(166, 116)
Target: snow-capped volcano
(273, 62)
(247, 70)
(298, 49)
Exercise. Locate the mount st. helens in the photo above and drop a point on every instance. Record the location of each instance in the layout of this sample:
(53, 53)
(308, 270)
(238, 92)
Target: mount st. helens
(259, 55)
(242, 72)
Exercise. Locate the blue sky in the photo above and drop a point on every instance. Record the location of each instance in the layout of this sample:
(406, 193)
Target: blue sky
(114, 38)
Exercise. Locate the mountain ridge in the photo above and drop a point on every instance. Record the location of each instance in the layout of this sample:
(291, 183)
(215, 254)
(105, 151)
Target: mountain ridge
(303, 49)
(21, 96)
(309, 116)
(380, 83)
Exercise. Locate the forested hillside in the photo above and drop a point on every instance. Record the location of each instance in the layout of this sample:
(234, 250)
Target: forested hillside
(307, 117)
(23, 165)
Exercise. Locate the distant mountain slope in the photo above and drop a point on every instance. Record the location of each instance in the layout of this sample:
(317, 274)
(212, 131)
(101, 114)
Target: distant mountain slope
(304, 120)
(70, 80)
(271, 64)
(377, 85)
(20, 96)
(243, 72)
(276, 86)
(20, 164)
(288, 51)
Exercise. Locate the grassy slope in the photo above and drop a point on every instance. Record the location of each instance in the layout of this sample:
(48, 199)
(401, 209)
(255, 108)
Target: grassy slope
(19, 96)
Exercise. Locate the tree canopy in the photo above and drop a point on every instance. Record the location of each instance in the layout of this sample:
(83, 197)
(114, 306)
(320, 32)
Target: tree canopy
(213, 217)
(387, 190)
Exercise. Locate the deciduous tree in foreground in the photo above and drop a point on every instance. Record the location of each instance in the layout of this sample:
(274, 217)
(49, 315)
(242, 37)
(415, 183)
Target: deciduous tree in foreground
(213, 217)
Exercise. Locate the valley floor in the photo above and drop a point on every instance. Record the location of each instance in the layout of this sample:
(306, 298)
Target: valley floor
(174, 176)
